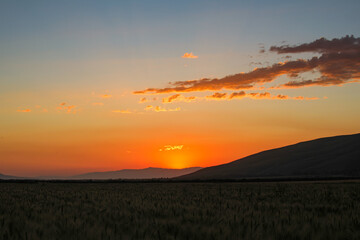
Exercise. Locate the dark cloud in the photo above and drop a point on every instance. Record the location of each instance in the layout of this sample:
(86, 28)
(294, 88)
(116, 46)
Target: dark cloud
(240, 94)
(237, 81)
(322, 45)
(218, 95)
(338, 64)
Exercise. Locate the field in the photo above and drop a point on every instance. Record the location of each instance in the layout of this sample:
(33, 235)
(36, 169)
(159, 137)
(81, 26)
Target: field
(288, 210)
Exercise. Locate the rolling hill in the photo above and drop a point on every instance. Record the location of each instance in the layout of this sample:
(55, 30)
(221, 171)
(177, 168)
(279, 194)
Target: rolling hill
(146, 173)
(324, 157)
(6, 177)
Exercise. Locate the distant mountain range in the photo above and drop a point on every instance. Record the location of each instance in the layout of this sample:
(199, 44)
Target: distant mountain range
(2, 176)
(324, 157)
(337, 156)
(146, 173)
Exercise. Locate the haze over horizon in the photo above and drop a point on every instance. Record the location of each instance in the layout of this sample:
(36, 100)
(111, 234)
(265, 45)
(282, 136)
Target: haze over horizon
(89, 86)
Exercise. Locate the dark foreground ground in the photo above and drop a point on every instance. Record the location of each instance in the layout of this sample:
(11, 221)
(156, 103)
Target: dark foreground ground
(294, 210)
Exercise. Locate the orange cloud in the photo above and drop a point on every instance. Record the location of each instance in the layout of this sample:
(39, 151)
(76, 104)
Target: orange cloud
(174, 109)
(178, 98)
(160, 109)
(24, 110)
(171, 98)
(171, 147)
(68, 109)
(305, 98)
(338, 64)
(260, 95)
(106, 96)
(189, 55)
(254, 95)
(267, 95)
(217, 96)
(142, 100)
(240, 94)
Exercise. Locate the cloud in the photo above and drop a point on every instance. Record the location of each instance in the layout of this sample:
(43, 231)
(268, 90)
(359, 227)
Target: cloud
(261, 95)
(174, 109)
(178, 98)
(171, 147)
(322, 45)
(189, 55)
(306, 98)
(68, 109)
(171, 98)
(236, 81)
(240, 94)
(217, 96)
(228, 97)
(24, 110)
(254, 95)
(149, 107)
(142, 100)
(106, 96)
(161, 109)
(339, 63)
(122, 111)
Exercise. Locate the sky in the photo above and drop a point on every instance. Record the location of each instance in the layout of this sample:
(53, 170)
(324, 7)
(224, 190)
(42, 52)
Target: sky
(107, 85)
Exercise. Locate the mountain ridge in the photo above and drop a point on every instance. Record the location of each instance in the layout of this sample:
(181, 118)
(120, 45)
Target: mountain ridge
(144, 173)
(323, 157)
(3, 176)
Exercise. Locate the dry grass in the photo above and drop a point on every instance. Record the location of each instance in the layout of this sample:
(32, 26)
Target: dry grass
(324, 210)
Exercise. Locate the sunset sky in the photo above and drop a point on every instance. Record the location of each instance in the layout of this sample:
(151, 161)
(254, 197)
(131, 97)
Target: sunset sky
(107, 85)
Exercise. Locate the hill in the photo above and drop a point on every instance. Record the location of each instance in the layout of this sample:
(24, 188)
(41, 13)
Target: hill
(146, 173)
(2, 176)
(324, 157)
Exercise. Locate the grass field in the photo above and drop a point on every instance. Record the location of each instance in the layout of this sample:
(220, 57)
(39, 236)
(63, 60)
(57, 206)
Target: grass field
(294, 210)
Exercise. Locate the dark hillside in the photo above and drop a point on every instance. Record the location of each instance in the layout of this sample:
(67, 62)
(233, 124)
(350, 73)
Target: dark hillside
(324, 157)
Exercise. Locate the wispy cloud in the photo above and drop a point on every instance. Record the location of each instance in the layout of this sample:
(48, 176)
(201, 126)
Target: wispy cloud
(24, 110)
(254, 95)
(240, 94)
(178, 98)
(143, 100)
(231, 96)
(161, 109)
(68, 108)
(189, 55)
(106, 96)
(171, 147)
(217, 96)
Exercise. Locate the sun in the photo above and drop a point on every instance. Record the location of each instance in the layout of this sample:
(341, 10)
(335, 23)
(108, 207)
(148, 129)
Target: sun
(177, 161)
